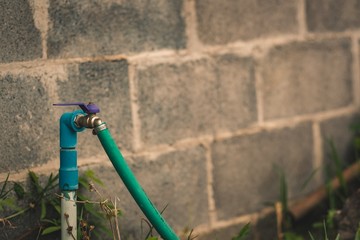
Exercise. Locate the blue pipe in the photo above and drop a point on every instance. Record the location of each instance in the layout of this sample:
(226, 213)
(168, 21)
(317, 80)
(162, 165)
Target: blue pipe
(68, 172)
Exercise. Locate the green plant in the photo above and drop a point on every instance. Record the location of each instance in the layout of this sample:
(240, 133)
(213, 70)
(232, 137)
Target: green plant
(244, 232)
(325, 233)
(357, 235)
(43, 197)
(336, 198)
(285, 217)
(292, 236)
(39, 199)
(6, 201)
(97, 213)
(334, 156)
(44, 202)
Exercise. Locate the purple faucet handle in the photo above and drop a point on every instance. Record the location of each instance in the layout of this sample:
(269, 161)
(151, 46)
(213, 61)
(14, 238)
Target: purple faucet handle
(90, 108)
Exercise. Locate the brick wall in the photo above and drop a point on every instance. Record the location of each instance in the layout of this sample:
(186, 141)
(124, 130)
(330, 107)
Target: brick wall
(203, 97)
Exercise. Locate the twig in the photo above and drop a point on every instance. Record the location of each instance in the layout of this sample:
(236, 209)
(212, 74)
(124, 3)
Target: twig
(105, 206)
(279, 219)
(15, 214)
(149, 234)
(116, 221)
(191, 238)
(80, 201)
(69, 228)
(5, 221)
(304, 205)
(38, 235)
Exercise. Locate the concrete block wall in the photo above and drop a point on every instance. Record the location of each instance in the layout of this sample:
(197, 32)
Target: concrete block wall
(203, 97)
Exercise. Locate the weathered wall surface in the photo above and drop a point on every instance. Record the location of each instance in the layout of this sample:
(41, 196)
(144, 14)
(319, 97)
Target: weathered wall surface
(203, 97)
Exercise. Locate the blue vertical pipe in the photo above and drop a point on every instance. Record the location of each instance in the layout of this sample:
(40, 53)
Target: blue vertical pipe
(68, 173)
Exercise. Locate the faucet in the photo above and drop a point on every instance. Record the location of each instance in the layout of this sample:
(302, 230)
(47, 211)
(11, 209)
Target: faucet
(77, 121)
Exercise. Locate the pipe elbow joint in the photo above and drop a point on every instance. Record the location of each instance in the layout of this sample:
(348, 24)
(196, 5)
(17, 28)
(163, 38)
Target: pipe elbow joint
(69, 130)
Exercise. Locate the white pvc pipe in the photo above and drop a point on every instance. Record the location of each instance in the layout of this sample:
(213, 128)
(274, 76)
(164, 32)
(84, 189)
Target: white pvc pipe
(68, 215)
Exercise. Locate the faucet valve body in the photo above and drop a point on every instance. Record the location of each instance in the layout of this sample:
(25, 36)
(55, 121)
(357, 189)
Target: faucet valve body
(88, 121)
(88, 118)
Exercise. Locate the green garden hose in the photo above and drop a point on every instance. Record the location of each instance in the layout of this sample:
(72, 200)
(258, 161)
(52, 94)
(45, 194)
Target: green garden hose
(133, 185)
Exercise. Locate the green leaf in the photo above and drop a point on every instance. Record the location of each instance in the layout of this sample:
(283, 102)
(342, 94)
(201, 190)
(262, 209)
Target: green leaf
(283, 198)
(331, 214)
(2, 192)
(283, 192)
(55, 222)
(82, 197)
(325, 231)
(308, 179)
(43, 209)
(311, 236)
(8, 203)
(57, 207)
(292, 236)
(52, 182)
(91, 209)
(91, 175)
(244, 232)
(19, 190)
(50, 230)
(317, 225)
(357, 236)
(338, 167)
(50, 179)
(34, 179)
(152, 238)
(83, 182)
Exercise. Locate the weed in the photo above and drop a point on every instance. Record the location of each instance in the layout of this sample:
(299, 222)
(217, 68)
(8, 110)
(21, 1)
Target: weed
(284, 216)
(244, 232)
(44, 202)
(334, 156)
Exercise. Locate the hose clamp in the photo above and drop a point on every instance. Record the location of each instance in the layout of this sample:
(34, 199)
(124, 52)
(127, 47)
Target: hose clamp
(99, 128)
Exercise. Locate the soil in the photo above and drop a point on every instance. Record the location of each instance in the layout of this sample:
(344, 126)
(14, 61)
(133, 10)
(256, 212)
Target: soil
(349, 217)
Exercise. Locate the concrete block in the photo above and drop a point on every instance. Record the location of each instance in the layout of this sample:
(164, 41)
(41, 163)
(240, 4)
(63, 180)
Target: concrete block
(197, 97)
(339, 131)
(27, 138)
(20, 40)
(332, 15)
(113, 27)
(107, 85)
(266, 227)
(220, 22)
(176, 180)
(307, 77)
(244, 170)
